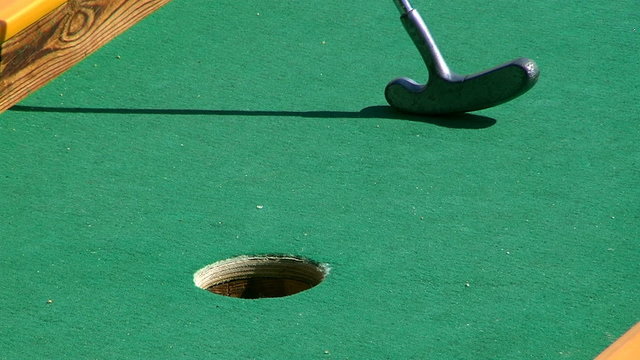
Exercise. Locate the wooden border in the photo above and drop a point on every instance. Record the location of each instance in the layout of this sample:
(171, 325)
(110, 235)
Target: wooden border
(627, 347)
(16, 15)
(61, 39)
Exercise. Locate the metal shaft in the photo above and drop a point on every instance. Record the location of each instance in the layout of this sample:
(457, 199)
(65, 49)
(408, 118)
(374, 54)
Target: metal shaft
(423, 40)
(403, 5)
(447, 92)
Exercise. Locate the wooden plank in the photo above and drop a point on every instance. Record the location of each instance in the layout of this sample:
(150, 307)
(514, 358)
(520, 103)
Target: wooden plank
(61, 39)
(17, 15)
(627, 347)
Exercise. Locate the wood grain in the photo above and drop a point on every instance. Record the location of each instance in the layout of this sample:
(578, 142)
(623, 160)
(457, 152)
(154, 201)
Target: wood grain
(61, 39)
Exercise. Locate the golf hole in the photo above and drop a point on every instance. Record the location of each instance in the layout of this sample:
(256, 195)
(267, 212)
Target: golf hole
(255, 277)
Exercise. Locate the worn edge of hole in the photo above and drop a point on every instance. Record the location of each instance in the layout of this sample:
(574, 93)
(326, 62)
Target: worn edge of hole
(251, 267)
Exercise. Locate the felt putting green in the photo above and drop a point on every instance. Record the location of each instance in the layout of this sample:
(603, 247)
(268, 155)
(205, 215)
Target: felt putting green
(218, 129)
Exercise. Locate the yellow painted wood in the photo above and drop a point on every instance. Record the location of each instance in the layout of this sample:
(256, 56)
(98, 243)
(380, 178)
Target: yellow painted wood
(627, 347)
(16, 15)
(63, 37)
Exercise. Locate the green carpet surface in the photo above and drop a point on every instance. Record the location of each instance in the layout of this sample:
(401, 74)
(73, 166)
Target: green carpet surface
(216, 129)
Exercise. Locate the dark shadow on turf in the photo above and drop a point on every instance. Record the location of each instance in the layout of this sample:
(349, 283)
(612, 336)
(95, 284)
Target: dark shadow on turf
(457, 121)
(461, 121)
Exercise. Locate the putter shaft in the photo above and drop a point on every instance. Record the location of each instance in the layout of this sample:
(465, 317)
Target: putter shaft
(422, 38)
(403, 6)
(447, 92)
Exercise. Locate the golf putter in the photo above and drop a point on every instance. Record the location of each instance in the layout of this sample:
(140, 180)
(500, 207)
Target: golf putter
(447, 92)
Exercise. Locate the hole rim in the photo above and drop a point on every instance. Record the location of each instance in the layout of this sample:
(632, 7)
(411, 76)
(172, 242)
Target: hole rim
(249, 276)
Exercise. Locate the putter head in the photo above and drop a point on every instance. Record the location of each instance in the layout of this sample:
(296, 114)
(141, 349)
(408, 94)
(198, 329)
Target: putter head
(447, 92)
(455, 93)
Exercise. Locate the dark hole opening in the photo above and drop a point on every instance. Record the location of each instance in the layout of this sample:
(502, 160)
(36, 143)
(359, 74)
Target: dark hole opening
(256, 277)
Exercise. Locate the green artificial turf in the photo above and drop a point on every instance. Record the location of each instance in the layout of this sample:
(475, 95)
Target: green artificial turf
(215, 129)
